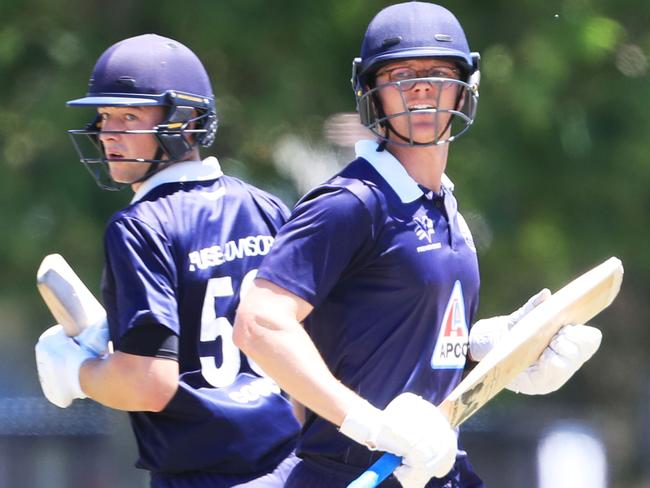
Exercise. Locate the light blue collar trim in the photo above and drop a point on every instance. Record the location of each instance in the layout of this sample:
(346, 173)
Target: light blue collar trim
(447, 183)
(392, 171)
(208, 169)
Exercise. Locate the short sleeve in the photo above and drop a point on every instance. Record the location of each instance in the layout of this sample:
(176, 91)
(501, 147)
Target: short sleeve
(140, 278)
(327, 232)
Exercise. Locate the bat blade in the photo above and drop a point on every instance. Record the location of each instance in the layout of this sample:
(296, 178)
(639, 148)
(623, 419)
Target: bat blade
(70, 301)
(577, 302)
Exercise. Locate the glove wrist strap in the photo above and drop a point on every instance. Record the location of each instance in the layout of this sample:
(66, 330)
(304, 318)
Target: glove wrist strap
(362, 424)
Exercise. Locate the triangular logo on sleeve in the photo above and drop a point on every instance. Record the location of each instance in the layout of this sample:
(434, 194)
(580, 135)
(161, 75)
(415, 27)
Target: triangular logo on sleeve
(453, 339)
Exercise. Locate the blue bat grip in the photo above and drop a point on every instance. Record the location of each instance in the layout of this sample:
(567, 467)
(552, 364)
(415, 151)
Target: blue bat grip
(378, 472)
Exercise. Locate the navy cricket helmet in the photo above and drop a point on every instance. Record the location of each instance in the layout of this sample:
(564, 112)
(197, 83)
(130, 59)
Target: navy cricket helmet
(414, 30)
(149, 70)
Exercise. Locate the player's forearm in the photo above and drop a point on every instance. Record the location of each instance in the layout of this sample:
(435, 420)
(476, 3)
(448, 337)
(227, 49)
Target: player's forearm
(131, 383)
(287, 354)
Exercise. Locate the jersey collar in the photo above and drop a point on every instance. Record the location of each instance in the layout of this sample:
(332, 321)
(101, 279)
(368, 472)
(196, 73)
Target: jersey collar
(392, 171)
(208, 169)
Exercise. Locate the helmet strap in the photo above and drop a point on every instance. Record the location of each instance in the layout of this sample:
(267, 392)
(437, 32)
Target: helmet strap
(154, 167)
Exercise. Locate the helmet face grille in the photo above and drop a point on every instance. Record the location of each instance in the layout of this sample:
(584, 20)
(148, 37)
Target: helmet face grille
(447, 123)
(174, 144)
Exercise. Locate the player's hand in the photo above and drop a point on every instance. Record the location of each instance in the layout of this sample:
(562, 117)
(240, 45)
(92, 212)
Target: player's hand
(58, 359)
(486, 333)
(95, 338)
(569, 349)
(409, 427)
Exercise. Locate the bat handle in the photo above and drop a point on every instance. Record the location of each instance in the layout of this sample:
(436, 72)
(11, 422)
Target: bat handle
(378, 472)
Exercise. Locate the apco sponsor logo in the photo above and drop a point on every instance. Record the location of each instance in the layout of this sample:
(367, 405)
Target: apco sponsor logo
(424, 230)
(231, 250)
(453, 339)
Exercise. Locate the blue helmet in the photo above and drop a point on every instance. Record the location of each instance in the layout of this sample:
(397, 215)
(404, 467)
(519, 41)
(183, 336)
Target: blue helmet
(149, 70)
(413, 30)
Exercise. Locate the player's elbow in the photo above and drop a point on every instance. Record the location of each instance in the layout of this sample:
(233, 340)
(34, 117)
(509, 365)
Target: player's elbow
(162, 384)
(255, 326)
(148, 383)
(156, 397)
(247, 330)
(266, 316)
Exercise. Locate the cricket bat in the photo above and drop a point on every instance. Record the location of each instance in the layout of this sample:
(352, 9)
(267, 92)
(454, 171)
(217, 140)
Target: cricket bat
(576, 303)
(70, 301)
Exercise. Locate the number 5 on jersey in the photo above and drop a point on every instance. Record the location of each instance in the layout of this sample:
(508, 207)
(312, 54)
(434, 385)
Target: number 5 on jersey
(213, 327)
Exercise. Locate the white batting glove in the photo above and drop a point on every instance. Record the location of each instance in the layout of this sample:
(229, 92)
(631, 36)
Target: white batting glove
(58, 359)
(412, 477)
(569, 349)
(486, 333)
(409, 427)
(95, 338)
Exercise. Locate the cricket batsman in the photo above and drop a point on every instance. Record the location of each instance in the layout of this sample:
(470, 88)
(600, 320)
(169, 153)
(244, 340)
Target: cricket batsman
(177, 258)
(362, 310)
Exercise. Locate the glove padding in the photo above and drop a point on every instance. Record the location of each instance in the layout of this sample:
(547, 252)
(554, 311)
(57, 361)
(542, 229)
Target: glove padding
(409, 427)
(569, 349)
(58, 359)
(486, 333)
(412, 477)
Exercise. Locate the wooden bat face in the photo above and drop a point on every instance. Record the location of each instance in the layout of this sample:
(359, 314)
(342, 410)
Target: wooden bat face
(575, 303)
(69, 300)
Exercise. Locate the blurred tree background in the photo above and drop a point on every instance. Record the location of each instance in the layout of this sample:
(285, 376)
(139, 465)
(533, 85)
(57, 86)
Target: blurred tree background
(553, 177)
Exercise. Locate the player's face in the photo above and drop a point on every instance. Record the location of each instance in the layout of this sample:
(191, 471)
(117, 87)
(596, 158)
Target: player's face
(411, 100)
(121, 148)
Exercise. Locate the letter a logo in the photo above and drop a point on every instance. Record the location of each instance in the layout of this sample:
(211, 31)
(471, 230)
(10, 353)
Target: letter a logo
(453, 339)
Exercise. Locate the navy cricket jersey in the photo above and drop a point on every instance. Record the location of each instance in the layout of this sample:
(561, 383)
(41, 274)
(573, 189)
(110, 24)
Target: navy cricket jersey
(392, 273)
(177, 257)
